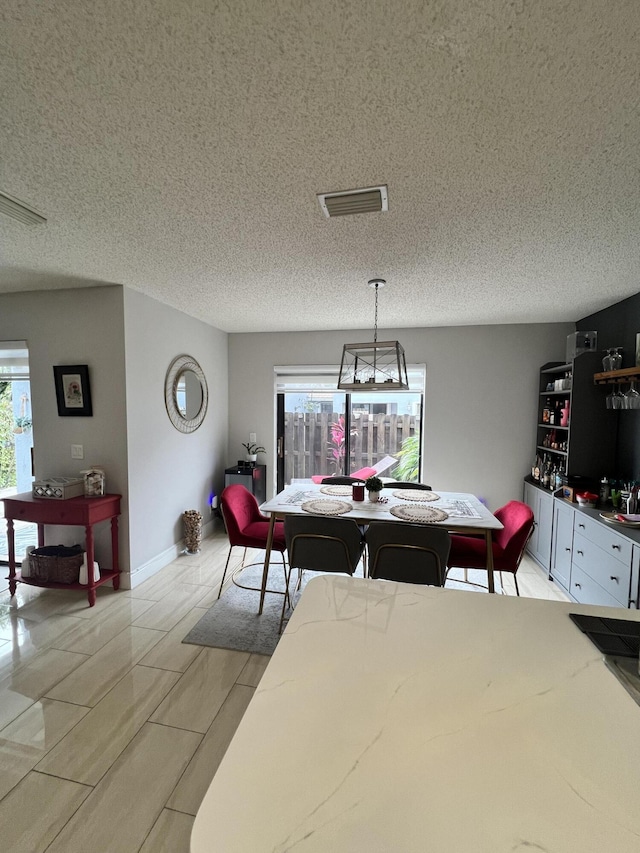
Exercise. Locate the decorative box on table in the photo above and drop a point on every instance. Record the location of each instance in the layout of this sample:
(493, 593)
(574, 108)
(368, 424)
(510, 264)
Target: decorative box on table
(58, 488)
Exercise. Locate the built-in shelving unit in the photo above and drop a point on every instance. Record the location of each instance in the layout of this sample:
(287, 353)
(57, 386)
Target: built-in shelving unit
(588, 440)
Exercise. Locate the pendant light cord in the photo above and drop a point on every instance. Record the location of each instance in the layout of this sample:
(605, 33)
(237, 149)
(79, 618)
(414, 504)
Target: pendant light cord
(375, 326)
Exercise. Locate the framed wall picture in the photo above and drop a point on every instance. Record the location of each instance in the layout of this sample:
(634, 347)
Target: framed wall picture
(72, 390)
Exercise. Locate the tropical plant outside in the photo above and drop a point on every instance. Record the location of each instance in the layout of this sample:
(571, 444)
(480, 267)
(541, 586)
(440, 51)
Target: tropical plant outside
(408, 467)
(7, 452)
(337, 440)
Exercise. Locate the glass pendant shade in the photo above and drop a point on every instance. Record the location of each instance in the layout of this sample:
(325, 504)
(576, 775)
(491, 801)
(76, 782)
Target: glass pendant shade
(374, 366)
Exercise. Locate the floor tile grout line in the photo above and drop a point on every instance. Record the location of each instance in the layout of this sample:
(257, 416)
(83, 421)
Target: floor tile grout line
(91, 708)
(71, 816)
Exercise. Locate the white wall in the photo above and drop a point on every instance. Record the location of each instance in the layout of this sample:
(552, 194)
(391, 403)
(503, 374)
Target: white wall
(83, 326)
(480, 404)
(169, 471)
(128, 341)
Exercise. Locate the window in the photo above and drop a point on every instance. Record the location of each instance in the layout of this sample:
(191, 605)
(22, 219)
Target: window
(323, 431)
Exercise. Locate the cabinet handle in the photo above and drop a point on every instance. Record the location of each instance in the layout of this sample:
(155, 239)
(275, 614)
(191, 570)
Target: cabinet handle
(578, 585)
(581, 525)
(567, 549)
(616, 547)
(613, 578)
(581, 553)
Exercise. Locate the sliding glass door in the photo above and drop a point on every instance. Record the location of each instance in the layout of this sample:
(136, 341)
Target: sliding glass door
(16, 438)
(323, 432)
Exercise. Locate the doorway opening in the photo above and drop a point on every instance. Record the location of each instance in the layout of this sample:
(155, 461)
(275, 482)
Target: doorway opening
(16, 439)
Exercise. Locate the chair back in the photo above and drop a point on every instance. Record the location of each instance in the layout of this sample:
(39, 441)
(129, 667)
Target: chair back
(517, 519)
(323, 544)
(341, 481)
(408, 553)
(405, 484)
(239, 508)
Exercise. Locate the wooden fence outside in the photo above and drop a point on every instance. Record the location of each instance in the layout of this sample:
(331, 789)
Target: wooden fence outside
(308, 442)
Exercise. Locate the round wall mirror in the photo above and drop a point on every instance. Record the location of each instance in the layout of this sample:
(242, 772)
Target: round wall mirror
(185, 393)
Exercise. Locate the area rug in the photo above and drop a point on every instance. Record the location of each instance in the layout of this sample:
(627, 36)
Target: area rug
(233, 621)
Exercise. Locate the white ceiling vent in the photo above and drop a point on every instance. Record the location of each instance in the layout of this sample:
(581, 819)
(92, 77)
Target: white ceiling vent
(18, 210)
(368, 200)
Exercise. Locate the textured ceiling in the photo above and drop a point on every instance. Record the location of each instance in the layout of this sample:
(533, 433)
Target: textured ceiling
(177, 148)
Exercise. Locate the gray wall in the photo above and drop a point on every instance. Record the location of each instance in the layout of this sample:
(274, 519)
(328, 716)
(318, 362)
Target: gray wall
(617, 326)
(480, 405)
(76, 327)
(169, 471)
(128, 341)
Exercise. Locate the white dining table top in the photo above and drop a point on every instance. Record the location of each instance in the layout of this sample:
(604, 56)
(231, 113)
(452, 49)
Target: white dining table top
(463, 510)
(395, 717)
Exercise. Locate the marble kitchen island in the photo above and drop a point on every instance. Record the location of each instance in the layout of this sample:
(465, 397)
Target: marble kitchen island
(401, 718)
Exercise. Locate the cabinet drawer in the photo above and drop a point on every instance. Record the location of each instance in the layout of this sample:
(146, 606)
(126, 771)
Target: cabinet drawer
(585, 590)
(603, 537)
(605, 569)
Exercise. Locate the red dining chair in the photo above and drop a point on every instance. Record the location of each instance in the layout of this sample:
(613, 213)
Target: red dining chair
(469, 552)
(248, 528)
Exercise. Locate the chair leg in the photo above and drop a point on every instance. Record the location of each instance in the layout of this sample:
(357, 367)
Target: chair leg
(515, 580)
(466, 575)
(226, 566)
(286, 597)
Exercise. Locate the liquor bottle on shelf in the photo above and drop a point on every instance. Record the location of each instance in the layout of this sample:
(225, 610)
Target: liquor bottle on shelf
(545, 473)
(557, 413)
(546, 412)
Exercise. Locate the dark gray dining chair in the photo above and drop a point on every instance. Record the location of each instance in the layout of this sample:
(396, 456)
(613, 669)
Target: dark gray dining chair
(404, 484)
(408, 553)
(341, 481)
(322, 544)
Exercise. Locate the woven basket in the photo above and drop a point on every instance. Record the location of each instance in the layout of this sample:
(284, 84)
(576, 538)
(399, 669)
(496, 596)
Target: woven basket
(56, 563)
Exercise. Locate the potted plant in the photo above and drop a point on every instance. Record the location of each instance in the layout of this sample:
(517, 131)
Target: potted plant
(373, 485)
(22, 424)
(252, 450)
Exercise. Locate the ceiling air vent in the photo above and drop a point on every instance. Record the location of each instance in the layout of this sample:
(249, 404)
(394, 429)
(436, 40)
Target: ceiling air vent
(368, 200)
(17, 210)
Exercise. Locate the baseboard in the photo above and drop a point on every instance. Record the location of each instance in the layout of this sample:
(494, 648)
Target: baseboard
(129, 580)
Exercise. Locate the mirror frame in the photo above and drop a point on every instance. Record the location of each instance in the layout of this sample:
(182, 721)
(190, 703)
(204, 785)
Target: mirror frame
(177, 367)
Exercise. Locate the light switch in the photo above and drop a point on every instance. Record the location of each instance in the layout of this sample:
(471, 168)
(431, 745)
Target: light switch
(252, 438)
(77, 451)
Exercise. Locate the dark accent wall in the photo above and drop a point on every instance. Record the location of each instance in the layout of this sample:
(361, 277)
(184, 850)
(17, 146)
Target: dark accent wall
(617, 326)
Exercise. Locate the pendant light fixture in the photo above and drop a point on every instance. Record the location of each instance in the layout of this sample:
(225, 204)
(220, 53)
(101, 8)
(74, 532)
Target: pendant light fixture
(374, 366)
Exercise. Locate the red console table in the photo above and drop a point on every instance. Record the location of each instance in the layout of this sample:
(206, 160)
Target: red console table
(83, 512)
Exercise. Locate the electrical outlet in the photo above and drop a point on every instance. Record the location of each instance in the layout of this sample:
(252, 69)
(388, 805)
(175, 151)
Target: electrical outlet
(77, 451)
(252, 438)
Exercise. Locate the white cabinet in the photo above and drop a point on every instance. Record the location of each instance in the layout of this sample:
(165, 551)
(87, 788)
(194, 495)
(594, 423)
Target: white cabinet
(541, 503)
(563, 514)
(601, 564)
(591, 560)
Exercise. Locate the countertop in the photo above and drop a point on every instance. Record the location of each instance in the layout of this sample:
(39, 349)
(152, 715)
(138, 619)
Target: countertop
(394, 717)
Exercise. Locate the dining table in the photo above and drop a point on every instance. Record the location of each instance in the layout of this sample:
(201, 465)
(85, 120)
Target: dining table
(456, 512)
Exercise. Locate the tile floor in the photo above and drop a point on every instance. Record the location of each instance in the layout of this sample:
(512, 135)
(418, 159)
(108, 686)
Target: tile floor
(111, 728)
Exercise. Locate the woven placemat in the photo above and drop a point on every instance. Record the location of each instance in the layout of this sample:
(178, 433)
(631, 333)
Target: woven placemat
(415, 495)
(326, 507)
(419, 513)
(336, 490)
